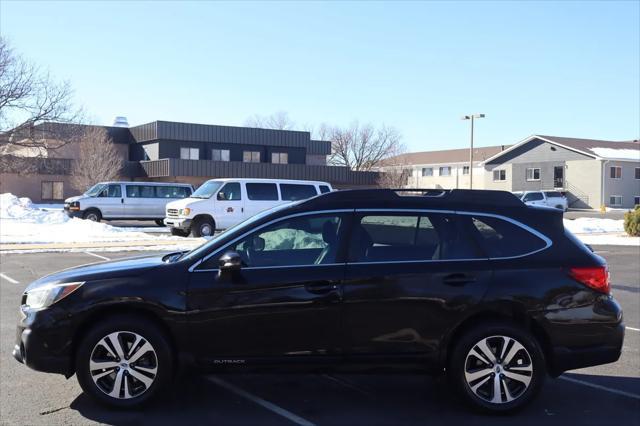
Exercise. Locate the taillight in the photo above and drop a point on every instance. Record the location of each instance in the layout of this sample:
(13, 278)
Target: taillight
(596, 278)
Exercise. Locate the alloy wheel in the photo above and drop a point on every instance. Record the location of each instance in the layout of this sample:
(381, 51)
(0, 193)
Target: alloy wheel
(498, 369)
(123, 365)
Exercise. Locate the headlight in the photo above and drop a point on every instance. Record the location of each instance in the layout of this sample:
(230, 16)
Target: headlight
(43, 297)
(185, 212)
(74, 205)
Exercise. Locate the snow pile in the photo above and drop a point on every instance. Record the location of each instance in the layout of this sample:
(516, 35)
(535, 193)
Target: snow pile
(593, 225)
(615, 153)
(23, 222)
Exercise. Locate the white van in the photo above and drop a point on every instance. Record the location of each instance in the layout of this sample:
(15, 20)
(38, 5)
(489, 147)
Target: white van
(222, 203)
(126, 200)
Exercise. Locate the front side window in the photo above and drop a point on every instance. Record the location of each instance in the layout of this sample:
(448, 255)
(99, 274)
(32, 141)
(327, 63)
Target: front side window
(229, 192)
(427, 171)
(533, 174)
(500, 238)
(406, 238)
(262, 191)
(445, 171)
(251, 156)
(189, 153)
(306, 240)
(533, 196)
(616, 172)
(279, 158)
(220, 154)
(112, 191)
(499, 175)
(52, 190)
(615, 200)
(294, 192)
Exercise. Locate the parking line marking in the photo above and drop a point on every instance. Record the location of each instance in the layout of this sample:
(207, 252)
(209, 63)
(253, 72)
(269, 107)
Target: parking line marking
(632, 329)
(604, 388)
(348, 384)
(96, 255)
(263, 403)
(11, 280)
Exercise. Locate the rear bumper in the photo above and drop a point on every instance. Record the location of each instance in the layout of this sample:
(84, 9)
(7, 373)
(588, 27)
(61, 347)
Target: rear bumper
(183, 224)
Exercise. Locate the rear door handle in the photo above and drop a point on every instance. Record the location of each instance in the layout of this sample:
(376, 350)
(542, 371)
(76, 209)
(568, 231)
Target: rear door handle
(321, 288)
(458, 279)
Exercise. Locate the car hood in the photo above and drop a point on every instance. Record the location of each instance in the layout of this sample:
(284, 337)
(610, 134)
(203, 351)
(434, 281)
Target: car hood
(76, 198)
(187, 202)
(129, 267)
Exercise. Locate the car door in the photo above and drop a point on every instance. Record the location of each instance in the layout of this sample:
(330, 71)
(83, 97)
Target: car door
(282, 303)
(260, 197)
(139, 201)
(110, 201)
(410, 276)
(229, 205)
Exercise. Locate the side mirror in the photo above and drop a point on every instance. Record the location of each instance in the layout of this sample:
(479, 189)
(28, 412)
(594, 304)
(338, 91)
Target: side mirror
(230, 261)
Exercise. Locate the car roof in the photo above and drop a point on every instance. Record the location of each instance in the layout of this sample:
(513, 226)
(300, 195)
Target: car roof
(111, 182)
(264, 180)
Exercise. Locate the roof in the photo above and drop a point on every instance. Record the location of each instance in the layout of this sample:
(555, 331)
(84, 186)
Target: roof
(445, 156)
(269, 180)
(595, 148)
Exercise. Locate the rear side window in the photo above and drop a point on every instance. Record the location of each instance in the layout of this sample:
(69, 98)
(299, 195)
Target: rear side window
(262, 191)
(172, 191)
(294, 192)
(500, 238)
(141, 191)
(384, 238)
(324, 189)
(553, 194)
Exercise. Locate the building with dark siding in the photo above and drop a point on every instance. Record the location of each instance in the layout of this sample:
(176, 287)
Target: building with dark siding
(164, 151)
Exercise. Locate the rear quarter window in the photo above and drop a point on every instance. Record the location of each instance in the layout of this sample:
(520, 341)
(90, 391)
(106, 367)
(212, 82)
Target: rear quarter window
(294, 192)
(501, 238)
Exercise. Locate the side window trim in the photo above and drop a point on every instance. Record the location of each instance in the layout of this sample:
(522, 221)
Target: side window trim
(219, 250)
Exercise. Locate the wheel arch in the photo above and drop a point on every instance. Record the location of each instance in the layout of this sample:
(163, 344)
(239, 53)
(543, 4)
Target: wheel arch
(206, 216)
(93, 208)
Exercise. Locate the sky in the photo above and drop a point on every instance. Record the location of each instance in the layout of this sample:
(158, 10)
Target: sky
(567, 68)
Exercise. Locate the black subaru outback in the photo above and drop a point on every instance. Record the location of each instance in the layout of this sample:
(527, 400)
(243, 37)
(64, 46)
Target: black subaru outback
(471, 284)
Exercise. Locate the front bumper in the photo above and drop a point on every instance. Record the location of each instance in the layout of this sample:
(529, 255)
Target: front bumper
(43, 341)
(73, 213)
(179, 223)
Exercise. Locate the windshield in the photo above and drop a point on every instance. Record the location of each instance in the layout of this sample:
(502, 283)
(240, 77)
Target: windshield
(207, 189)
(195, 253)
(95, 189)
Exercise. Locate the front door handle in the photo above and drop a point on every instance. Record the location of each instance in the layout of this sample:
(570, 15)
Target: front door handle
(458, 279)
(321, 288)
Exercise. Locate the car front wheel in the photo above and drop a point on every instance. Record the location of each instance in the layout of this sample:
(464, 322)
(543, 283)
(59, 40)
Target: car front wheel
(124, 362)
(497, 367)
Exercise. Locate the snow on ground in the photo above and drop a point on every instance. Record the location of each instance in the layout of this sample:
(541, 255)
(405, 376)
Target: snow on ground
(21, 221)
(600, 231)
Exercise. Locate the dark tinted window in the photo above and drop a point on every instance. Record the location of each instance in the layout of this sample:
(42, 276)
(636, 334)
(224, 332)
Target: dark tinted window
(172, 191)
(229, 192)
(140, 191)
(500, 238)
(262, 191)
(553, 194)
(293, 192)
(381, 238)
(114, 191)
(533, 196)
(324, 189)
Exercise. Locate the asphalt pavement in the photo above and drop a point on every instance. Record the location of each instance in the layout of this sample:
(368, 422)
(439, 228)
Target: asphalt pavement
(603, 395)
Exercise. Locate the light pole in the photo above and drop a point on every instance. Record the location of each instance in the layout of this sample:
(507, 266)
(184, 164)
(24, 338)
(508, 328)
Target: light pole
(471, 117)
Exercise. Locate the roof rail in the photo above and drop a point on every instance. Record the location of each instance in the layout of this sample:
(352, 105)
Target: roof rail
(454, 196)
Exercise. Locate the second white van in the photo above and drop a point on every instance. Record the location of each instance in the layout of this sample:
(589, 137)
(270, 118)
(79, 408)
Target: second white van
(222, 203)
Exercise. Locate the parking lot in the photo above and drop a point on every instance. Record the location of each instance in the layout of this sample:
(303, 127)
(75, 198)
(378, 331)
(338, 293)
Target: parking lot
(608, 394)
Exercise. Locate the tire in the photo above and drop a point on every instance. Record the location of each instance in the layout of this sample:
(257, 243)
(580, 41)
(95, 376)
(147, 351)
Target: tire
(93, 215)
(142, 380)
(466, 369)
(179, 232)
(159, 222)
(203, 227)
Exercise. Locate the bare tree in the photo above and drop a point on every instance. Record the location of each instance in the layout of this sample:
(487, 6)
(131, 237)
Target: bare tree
(31, 105)
(98, 160)
(278, 121)
(363, 148)
(394, 173)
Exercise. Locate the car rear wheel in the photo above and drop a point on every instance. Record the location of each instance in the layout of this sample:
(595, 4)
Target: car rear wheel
(92, 215)
(497, 367)
(203, 227)
(124, 362)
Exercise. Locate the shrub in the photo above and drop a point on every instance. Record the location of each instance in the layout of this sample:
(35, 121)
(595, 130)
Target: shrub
(632, 222)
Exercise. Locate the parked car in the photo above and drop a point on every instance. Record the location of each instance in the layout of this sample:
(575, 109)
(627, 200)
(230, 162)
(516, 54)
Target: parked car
(126, 200)
(222, 203)
(472, 284)
(555, 199)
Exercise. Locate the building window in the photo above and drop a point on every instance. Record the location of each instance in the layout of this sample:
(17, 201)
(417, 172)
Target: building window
(636, 200)
(637, 175)
(465, 170)
(427, 171)
(220, 154)
(251, 156)
(279, 158)
(616, 172)
(445, 171)
(499, 175)
(189, 153)
(615, 200)
(533, 174)
(52, 190)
